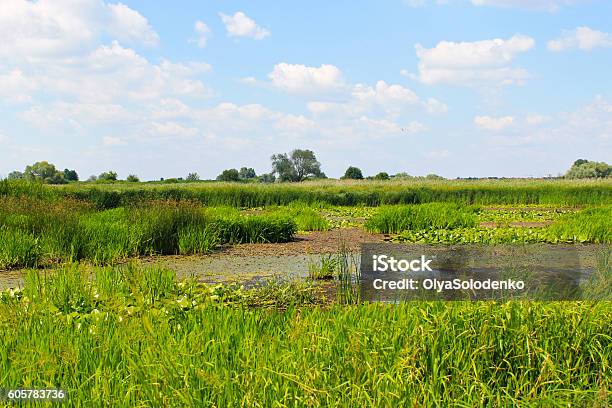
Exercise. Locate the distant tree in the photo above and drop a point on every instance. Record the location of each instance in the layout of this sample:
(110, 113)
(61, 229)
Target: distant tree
(580, 161)
(108, 176)
(40, 171)
(15, 175)
(229, 175)
(381, 176)
(296, 166)
(92, 178)
(45, 172)
(132, 178)
(193, 177)
(434, 177)
(582, 169)
(353, 173)
(267, 178)
(402, 175)
(71, 175)
(247, 173)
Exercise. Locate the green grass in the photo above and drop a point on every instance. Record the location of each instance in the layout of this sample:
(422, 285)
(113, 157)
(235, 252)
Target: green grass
(395, 219)
(593, 226)
(127, 337)
(35, 232)
(345, 193)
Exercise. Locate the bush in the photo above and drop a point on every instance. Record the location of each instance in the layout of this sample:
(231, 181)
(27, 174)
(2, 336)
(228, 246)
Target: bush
(353, 173)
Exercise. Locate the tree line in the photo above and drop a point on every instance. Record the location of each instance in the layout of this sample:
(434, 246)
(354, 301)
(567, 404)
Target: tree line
(295, 166)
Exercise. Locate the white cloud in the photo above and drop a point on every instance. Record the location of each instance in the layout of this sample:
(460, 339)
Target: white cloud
(493, 123)
(172, 129)
(128, 25)
(203, 32)
(240, 25)
(583, 38)
(546, 5)
(298, 78)
(51, 28)
(473, 63)
(16, 87)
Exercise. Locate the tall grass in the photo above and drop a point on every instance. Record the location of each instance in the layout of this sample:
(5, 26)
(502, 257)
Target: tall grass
(590, 225)
(371, 193)
(148, 341)
(395, 219)
(34, 231)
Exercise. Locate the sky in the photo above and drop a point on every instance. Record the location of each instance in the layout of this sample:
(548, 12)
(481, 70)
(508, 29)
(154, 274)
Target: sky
(460, 88)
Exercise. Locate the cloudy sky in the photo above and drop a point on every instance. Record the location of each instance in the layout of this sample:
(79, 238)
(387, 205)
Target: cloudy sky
(456, 87)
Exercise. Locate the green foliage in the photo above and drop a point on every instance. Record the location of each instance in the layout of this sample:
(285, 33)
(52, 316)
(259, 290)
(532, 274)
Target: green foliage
(592, 225)
(326, 268)
(424, 216)
(193, 177)
(345, 193)
(70, 175)
(18, 248)
(133, 336)
(132, 178)
(45, 172)
(34, 231)
(353, 173)
(229, 175)
(296, 166)
(582, 169)
(267, 178)
(15, 175)
(382, 176)
(246, 173)
(107, 176)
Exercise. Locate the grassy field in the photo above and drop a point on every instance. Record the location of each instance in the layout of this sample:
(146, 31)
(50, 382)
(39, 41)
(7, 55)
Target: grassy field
(128, 335)
(347, 193)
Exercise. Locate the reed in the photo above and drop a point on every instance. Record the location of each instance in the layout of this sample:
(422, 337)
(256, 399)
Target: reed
(138, 338)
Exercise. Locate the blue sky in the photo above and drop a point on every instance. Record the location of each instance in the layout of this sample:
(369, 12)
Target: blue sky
(458, 87)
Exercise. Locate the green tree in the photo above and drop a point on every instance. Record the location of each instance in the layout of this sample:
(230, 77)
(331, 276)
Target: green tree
(247, 173)
(15, 175)
(108, 176)
(132, 178)
(353, 173)
(267, 178)
(193, 177)
(71, 175)
(382, 176)
(432, 176)
(582, 169)
(296, 166)
(45, 172)
(229, 175)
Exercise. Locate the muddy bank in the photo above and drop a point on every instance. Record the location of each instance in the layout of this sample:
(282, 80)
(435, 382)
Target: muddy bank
(316, 242)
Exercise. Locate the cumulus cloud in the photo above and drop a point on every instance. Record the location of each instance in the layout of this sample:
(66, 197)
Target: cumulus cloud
(203, 32)
(471, 63)
(583, 38)
(298, 78)
(493, 123)
(240, 25)
(37, 30)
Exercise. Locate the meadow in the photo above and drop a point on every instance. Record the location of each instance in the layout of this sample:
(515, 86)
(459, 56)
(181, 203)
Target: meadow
(112, 332)
(123, 336)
